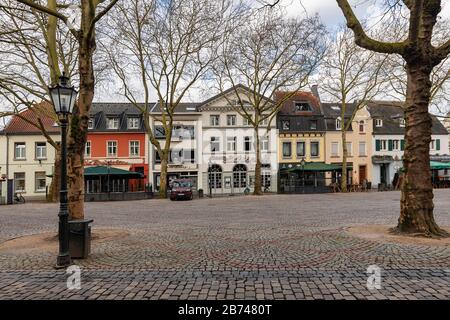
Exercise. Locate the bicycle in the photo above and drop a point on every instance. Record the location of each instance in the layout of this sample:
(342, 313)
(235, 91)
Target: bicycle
(18, 198)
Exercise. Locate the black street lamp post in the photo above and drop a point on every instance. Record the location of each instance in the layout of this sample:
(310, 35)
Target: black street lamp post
(63, 97)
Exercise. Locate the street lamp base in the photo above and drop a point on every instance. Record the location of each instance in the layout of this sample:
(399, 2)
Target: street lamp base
(63, 261)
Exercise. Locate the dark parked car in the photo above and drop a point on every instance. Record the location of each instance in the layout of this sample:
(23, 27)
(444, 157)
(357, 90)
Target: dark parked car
(181, 189)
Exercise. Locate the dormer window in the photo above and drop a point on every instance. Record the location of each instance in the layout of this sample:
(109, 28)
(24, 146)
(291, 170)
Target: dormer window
(285, 125)
(313, 125)
(302, 106)
(338, 124)
(378, 123)
(113, 123)
(133, 123)
(402, 123)
(91, 123)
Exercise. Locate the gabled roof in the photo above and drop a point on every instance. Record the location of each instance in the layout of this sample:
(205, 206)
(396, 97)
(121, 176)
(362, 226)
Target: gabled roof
(224, 93)
(41, 113)
(288, 107)
(391, 112)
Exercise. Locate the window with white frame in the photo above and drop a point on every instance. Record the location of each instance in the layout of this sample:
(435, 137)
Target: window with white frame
(265, 120)
(314, 146)
(247, 144)
(231, 144)
(402, 122)
(335, 149)
(87, 149)
(19, 151)
(231, 120)
(214, 120)
(246, 121)
(134, 149)
(378, 123)
(133, 123)
(383, 145)
(362, 149)
(349, 146)
(264, 143)
(301, 152)
(19, 181)
(215, 144)
(91, 123)
(396, 145)
(285, 124)
(287, 150)
(111, 149)
(40, 181)
(338, 124)
(113, 123)
(41, 150)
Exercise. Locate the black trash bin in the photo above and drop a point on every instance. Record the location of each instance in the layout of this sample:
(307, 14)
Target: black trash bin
(200, 193)
(79, 238)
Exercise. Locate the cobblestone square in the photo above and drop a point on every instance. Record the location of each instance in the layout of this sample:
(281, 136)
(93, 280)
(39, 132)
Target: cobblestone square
(271, 247)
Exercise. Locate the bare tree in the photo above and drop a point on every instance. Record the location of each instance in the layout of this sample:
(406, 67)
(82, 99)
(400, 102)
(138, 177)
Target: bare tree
(265, 55)
(350, 73)
(28, 63)
(440, 75)
(165, 46)
(422, 54)
(84, 34)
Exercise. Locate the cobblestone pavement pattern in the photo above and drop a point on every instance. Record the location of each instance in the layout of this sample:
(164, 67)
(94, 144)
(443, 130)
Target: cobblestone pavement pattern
(271, 247)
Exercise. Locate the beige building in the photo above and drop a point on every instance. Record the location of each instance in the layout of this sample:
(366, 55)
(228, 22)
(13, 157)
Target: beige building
(359, 141)
(26, 158)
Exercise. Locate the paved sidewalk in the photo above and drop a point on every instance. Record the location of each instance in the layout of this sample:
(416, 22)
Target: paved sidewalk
(271, 247)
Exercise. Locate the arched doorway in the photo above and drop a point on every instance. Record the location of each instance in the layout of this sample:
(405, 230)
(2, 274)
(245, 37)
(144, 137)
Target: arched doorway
(239, 178)
(215, 178)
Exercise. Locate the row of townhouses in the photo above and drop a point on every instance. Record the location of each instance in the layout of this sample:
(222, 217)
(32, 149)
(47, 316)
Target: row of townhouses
(213, 145)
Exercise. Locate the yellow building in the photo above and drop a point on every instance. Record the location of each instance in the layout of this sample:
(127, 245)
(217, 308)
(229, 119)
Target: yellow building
(358, 139)
(301, 144)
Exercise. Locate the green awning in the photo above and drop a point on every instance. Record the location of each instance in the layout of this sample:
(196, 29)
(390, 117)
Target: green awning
(103, 171)
(435, 165)
(317, 166)
(439, 165)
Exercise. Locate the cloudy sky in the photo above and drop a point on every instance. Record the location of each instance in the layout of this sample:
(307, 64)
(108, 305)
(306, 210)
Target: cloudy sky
(331, 14)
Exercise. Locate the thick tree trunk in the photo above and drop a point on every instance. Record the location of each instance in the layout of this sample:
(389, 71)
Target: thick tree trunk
(163, 176)
(53, 194)
(344, 159)
(416, 215)
(258, 182)
(78, 128)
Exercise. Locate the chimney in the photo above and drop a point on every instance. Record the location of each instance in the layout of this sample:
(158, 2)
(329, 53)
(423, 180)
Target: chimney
(315, 91)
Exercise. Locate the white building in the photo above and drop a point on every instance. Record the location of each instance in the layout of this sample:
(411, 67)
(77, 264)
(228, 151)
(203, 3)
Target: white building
(388, 140)
(26, 158)
(185, 146)
(228, 148)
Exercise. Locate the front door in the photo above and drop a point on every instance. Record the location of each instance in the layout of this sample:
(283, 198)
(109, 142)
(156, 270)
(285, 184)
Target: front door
(362, 173)
(383, 172)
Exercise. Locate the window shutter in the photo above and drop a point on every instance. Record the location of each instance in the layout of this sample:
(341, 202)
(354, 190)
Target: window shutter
(438, 144)
(402, 145)
(390, 145)
(377, 145)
